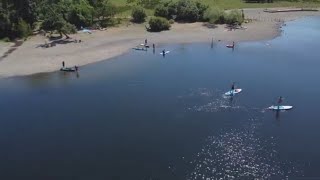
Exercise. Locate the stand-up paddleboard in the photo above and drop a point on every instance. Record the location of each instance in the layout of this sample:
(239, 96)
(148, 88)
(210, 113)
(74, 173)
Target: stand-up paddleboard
(233, 92)
(165, 52)
(280, 107)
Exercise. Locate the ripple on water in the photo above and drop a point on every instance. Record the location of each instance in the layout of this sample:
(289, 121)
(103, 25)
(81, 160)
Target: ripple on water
(241, 154)
(206, 100)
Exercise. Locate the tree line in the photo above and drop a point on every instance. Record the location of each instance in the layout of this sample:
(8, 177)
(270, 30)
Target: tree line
(19, 17)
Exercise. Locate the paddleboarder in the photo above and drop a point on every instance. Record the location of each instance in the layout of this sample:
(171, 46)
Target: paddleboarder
(232, 88)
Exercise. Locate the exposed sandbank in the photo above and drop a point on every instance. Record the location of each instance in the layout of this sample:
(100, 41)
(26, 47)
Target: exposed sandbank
(30, 58)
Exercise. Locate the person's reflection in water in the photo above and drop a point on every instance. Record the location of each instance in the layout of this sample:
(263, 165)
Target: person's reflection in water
(277, 115)
(212, 43)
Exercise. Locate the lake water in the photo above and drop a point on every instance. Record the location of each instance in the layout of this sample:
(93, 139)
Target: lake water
(141, 116)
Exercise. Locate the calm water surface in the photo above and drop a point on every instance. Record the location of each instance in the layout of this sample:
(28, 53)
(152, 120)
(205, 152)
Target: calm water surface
(141, 116)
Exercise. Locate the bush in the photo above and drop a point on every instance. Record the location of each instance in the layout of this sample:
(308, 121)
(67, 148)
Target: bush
(80, 14)
(23, 29)
(172, 9)
(202, 9)
(171, 21)
(233, 17)
(6, 39)
(187, 10)
(158, 24)
(161, 11)
(214, 16)
(138, 14)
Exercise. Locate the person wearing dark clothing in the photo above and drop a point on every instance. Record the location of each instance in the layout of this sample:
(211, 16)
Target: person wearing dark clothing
(63, 64)
(232, 86)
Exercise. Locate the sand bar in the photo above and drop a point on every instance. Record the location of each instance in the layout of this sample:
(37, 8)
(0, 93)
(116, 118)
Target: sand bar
(30, 58)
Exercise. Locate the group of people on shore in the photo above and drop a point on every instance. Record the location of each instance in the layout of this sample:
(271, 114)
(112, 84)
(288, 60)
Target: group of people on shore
(64, 68)
(154, 47)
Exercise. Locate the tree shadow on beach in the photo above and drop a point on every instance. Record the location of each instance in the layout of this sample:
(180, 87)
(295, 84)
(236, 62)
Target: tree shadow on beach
(210, 25)
(55, 42)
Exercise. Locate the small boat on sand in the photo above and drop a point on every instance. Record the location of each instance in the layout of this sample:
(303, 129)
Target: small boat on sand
(139, 49)
(230, 45)
(68, 69)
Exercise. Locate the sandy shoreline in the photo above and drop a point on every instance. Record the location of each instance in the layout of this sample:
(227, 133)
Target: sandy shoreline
(101, 45)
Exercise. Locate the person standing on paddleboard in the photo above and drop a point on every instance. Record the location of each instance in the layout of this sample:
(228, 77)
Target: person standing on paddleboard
(280, 101)
(232, 88)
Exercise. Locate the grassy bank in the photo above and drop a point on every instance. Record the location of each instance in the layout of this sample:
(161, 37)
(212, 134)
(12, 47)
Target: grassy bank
(225, 4)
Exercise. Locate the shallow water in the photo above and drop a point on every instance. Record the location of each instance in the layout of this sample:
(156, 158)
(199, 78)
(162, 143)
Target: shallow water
(143, 116)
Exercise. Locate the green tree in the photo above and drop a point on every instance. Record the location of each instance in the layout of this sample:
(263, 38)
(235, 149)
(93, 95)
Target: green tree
(214, 16)
(138, 14)
(234, 17)
(187, 10)
(157, 24)
(162, 11)
(23, 29)
(55, 17)
(80, 14)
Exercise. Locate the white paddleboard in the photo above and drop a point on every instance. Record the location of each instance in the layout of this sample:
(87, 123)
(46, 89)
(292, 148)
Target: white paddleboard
(233, 92)
(145, 45)
(165, 52)
(280, 107)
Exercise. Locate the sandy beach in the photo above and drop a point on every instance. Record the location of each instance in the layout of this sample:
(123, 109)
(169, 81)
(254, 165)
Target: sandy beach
(30, 58)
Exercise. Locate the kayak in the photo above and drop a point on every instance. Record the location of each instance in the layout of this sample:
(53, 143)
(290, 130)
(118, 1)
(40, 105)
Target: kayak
(145, 45)
(233, 92)
(140, 49)
(67, 69)
(165, 52)
(230, 46)
(280, 107)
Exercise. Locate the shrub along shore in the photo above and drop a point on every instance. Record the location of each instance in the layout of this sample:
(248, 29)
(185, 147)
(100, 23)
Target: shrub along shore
(20, 19)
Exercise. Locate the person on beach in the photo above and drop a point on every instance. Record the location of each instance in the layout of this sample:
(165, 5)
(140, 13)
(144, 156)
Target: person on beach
(76, 68)
(154, 46)
(63, 64)
(145, 42)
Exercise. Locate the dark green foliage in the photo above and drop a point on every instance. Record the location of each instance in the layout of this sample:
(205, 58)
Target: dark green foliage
(215, 16)
(234, 17)
(157, 24)
(17, 17)
(138, 14)
(145, 3)
(162, 11)
(80, 14)
(202, 8)
(23, 29)
(187, 10)
(218, 16)
(183, 10)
